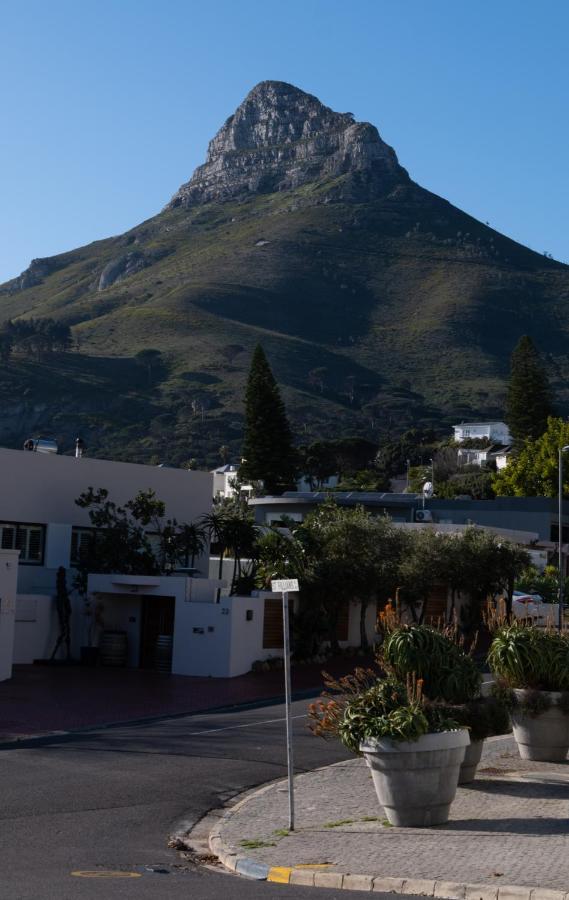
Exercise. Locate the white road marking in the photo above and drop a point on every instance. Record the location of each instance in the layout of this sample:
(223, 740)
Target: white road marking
(246, 725)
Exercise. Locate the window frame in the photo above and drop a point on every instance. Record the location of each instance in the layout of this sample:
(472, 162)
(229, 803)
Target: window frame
(18, 527)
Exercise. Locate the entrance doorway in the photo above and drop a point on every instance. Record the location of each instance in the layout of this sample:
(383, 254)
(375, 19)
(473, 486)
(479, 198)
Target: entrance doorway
(157, 624)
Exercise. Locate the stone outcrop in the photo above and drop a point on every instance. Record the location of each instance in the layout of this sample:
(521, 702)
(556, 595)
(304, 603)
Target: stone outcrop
(121, 268)
(37, 270)
(281, 138)
(128, 264)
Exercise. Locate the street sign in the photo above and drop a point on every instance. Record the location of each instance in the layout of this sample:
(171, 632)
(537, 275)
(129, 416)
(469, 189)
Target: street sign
(284, 584)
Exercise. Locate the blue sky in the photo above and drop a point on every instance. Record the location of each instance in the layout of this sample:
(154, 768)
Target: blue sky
(107, 106)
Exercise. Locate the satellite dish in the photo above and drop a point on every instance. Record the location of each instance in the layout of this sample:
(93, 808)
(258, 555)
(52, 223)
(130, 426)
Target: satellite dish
(428, 489)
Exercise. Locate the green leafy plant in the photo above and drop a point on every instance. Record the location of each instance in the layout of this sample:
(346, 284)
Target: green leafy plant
(484, 717)
(529, 657)
(447, 671)
(376, 708)
(533, 702)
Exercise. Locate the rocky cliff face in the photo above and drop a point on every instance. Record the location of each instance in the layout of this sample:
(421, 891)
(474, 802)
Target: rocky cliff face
(281, 138)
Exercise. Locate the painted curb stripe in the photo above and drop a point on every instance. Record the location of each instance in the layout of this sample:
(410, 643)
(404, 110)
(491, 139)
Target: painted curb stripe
(250, 868)
(279, 874)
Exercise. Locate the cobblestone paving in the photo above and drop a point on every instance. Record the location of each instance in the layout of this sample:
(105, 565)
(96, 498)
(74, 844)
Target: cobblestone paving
(511, 826)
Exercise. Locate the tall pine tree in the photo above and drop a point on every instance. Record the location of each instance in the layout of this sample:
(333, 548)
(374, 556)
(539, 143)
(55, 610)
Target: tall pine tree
(528, 403)
(268, 452)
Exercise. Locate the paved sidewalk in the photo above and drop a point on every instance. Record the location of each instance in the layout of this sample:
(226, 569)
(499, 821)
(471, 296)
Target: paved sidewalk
(44, 699)
(510, 827)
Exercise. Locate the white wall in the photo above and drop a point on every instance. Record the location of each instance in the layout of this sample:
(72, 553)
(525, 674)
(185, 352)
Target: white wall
(202, 639)
(36, 628)
(8, 582)
(354, 639)
(57, 546)
(247, 636)
(43, 487)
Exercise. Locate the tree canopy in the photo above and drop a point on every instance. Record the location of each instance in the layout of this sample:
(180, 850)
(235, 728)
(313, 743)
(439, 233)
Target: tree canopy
(268, 453)
(528, 402)
(534, 471)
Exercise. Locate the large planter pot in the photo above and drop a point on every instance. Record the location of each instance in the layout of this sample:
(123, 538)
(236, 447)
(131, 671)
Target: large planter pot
(416, 781)
(544, 737)
(472, 757)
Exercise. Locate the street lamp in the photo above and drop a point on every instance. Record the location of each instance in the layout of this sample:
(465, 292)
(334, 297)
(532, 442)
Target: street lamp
(562, 450)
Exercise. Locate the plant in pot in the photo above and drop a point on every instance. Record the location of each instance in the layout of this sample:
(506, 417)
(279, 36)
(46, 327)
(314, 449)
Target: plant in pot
(533, 666)
(412, 747)
(449, 675)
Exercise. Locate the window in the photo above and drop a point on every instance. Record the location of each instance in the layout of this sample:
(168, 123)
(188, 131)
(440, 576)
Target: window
(28, 539)
(80, 539)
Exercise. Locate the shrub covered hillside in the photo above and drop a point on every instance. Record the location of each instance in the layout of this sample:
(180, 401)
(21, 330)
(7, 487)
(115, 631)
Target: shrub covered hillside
(376, 302)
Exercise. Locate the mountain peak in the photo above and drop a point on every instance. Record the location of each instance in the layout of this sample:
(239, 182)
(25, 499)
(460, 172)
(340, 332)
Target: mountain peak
(280, 138)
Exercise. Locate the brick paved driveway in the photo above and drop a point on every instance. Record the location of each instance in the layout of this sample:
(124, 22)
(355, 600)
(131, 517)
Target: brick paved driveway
(41, 699)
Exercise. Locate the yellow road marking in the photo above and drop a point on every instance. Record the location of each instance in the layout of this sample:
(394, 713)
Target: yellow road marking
(279, 874)
(106, 873)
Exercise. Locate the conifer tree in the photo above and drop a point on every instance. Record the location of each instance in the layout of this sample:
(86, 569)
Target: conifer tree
(268, 453)
(528, 403)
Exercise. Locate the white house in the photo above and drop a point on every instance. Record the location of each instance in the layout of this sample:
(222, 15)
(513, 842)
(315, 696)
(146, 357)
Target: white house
(502, 457)
(177, 614)
(496, 432)
(41, 521)
(469, 456)
(225, 482)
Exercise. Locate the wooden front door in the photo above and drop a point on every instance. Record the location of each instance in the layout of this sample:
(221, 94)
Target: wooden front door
(157, 618)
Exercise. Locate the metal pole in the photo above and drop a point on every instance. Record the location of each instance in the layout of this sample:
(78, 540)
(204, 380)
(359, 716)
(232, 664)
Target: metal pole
(433, 475)
(289, 760)
(560, 537)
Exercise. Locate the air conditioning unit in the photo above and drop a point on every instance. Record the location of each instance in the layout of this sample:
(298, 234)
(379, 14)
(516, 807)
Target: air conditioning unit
(423, 515)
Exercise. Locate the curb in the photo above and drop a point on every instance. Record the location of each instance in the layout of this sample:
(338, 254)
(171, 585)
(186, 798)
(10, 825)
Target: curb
(248, 867)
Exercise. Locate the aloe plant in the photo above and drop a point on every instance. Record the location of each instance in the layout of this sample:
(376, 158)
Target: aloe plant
(529, 657)
(447, 671)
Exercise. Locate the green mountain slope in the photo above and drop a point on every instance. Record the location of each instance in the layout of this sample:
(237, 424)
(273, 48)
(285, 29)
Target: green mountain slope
(378, 303)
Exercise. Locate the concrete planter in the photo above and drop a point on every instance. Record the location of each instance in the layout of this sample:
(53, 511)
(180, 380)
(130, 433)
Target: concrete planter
(416, 781)
(544, 737)
(472, 757)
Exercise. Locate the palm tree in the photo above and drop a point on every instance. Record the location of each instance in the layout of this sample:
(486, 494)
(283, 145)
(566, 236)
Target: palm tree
(240, 535)
(215, 525)
(192, 541)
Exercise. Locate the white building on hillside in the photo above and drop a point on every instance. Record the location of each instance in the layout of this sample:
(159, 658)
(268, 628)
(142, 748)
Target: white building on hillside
(495, 432)
(225, 482)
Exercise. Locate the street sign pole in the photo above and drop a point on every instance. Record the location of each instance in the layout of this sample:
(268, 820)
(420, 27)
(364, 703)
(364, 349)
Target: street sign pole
(289, 757)
(284, 586)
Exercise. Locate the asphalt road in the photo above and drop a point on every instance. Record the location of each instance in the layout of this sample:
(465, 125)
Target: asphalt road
(107, 800)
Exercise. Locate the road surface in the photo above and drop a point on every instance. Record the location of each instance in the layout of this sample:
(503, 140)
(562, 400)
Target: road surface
(103, 803)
